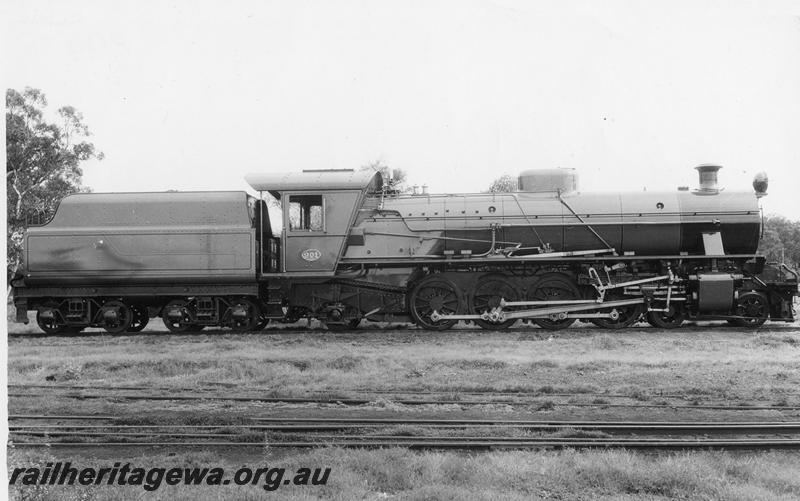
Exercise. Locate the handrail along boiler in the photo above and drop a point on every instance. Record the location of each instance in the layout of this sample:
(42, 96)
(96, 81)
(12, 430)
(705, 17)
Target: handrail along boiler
(342, 245)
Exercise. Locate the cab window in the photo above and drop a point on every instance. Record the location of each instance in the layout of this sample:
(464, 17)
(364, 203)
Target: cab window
(305, 213)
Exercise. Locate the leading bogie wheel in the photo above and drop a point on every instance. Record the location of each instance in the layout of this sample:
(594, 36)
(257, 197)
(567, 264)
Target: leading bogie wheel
(554, 287)
(754, 307)
(486, 297)
(435, 293)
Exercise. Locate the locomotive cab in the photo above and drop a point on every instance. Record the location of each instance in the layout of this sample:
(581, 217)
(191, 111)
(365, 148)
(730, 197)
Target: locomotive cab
(318, 208)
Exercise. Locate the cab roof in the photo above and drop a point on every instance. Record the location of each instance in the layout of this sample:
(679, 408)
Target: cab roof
(315, 180)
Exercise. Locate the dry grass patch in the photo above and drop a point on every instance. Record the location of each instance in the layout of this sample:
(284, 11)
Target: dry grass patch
(777, 341)
(643, 363)
(543, 364)
(402, 474)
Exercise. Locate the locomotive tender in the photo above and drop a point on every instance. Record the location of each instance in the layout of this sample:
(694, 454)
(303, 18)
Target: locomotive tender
(341, 246)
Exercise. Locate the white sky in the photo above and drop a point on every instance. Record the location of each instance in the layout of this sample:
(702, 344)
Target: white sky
(194, 94)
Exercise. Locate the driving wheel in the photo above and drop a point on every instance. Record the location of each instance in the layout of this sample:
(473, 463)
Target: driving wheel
(626, 315)
(671, 319)
(554, 287)
(488, 293)
(435, 293)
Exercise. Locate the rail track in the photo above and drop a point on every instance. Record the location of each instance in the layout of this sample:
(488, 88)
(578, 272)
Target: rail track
(104, 431)
(401, 398)
(405, 330)
(467, 443)
(545, 391)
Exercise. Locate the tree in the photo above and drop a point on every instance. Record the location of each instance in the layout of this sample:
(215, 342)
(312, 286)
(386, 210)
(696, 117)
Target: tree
(398, 175)
(781, 240)
(503, 184)
(42, 162)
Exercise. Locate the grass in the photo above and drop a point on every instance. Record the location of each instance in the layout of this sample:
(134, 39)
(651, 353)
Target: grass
(403, 474)
(741, 367)
(717, 362)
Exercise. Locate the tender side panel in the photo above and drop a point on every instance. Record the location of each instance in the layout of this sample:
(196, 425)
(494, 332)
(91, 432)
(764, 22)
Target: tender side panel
(107, 256)
(136, 238)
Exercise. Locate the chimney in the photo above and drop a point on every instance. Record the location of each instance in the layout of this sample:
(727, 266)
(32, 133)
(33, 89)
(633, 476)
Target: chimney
(708, 178)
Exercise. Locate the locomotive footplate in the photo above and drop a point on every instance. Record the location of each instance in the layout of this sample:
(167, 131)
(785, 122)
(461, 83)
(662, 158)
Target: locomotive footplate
(497, 315)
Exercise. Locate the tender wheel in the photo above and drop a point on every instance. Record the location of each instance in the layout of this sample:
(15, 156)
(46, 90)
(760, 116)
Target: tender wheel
(671, 319)
(554, 287)
(754, 306)
(115, 317)
(435, 293)
(49, 318)
(243, 315)
(176, 316)
(140, 318)
(489, 290)
(627, 315)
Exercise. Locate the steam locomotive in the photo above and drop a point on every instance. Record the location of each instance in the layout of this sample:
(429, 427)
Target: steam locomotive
(343, 245)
